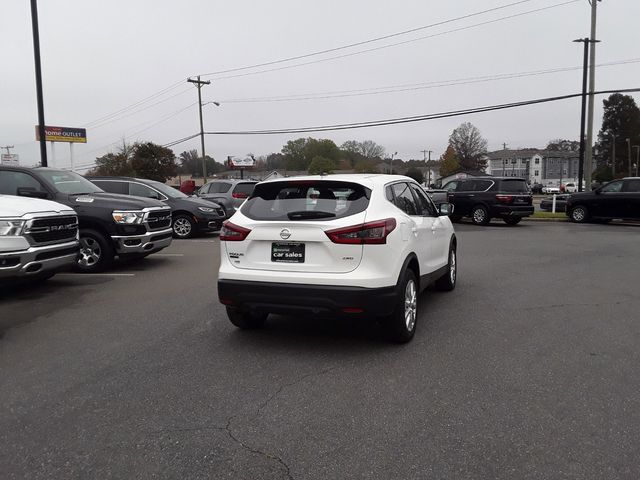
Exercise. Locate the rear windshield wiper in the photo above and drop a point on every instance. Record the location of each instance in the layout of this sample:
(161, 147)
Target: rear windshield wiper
(305, 214)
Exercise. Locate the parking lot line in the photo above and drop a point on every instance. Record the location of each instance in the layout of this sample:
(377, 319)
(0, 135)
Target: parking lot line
(96, 274)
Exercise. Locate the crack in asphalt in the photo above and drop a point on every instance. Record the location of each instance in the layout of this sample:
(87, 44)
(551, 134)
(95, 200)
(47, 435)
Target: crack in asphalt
(264, 404)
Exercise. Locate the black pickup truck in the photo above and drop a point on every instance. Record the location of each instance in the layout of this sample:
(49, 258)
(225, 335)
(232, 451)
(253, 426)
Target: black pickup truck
(110, 224)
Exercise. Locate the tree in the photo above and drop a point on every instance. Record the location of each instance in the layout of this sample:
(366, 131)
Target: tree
(355, 151)
(153, 162)
(560, 145)
(621, 120)
(320, 165)
(115, 164)
(449, 162)
(416, 174)
(191, 164)
(366, 165)
(299, 153)
(469, 146)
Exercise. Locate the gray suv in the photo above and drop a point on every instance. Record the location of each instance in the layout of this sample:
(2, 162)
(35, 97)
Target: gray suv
(229, 194)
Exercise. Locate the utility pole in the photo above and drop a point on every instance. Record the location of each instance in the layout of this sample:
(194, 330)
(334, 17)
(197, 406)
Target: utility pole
(198, 83)
(629, 145)
(586, 42)
(424, 156)
(588, 164)
(7, 148)
(613, 155)
(36, 58)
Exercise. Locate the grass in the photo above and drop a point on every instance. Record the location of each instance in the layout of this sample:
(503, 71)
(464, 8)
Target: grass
(549, 215)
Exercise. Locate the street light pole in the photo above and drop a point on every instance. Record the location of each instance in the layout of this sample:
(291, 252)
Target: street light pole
(40, 99)
(391, 163)
(198, 83)
(637, 147)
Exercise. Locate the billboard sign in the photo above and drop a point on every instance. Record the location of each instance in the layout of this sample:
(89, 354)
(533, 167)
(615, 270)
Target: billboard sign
(9, 159)
(236, 162)
(63, 134)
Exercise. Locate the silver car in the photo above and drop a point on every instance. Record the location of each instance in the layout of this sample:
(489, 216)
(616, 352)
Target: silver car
(228, 193)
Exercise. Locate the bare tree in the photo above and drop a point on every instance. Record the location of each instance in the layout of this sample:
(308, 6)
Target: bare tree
(469, 146)
(367, 149)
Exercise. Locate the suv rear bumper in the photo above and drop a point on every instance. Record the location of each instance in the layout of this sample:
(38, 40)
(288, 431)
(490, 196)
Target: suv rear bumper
(149, 242)
(37, 260)
(291, 298)
(511, 211)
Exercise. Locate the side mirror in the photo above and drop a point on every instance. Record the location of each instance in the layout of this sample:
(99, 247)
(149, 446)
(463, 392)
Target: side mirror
(597, 191)
(445, 209)
(32, 193)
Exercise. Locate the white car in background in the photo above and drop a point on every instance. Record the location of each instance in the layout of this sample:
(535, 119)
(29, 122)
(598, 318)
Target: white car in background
(340, 245)
(550, 189)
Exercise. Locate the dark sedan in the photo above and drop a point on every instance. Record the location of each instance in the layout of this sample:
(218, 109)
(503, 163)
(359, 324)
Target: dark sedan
(190, 215)
(546, 204)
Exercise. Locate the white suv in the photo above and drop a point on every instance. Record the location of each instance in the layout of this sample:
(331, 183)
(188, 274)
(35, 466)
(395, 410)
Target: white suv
(343, 245)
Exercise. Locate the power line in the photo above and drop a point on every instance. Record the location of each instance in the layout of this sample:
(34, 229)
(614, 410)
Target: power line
(364, 42)
(415, 118)
(468, 27)
(415, 86)
(135, 104)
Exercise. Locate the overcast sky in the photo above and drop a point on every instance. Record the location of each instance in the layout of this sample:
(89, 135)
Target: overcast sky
(99, 58)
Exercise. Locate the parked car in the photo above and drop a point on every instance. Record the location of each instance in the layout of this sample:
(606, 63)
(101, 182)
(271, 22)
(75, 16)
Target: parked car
(370, 255)
(550, 189)
(617, 199)
(536, 188)
(490, 197)
(110, 225)
(229, 194)
(38, 238)
(561, 203)
(570, 187)
(190, 215)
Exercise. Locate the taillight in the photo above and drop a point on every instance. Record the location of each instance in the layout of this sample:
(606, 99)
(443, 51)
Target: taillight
(239, 195)
(371, 233)
(233, 233)
(504, 198)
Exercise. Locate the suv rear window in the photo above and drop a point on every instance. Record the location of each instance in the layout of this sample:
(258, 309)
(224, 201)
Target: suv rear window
(306, 200)
(514, 186)
(246, 188)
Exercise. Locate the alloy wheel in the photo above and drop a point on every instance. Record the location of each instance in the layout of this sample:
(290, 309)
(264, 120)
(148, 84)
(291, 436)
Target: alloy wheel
(452, 267)
(410, 305)
(182, 227)
(578, 214)
(478, 215)
(90, 252)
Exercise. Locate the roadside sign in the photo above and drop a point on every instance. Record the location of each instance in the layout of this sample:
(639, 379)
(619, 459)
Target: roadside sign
(10, 159)
(63, 134)
(236, 162)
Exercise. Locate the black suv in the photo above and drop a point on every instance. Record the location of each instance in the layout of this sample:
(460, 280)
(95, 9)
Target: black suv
(110, 225)
(617, 199)
(485, 198)
(190, 215)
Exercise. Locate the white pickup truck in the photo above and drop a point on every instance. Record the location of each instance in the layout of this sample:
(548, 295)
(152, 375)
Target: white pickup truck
(37, 238)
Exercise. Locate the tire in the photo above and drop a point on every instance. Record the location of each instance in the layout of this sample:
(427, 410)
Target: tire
(245, 320)
(512, 220)
(447, 282)
(579, 214)
(400, 326)
(96, 252)
(480, 215)
(182, 226)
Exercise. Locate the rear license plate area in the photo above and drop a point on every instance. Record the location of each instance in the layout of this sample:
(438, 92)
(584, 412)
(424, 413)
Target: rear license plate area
(290, 252)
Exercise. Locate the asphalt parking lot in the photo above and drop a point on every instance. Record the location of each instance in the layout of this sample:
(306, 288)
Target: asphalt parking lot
(529, 369)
